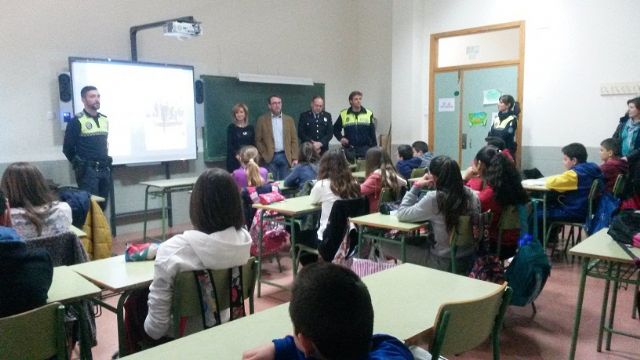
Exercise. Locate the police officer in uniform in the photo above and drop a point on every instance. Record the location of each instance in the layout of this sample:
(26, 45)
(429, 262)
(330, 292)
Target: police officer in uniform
(359, 128)
(85, 146)
(315, 125)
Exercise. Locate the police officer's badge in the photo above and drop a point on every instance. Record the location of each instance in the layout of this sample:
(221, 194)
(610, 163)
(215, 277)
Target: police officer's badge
(88, 125)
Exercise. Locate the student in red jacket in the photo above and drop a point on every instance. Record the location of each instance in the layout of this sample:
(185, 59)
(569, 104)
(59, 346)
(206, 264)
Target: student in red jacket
(380, 173)
(612, 165)
(502, 187)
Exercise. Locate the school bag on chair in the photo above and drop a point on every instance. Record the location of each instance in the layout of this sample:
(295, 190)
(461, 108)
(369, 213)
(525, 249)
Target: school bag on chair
(528, 271)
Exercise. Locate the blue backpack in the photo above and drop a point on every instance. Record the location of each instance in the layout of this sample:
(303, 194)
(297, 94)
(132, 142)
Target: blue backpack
(604, 212)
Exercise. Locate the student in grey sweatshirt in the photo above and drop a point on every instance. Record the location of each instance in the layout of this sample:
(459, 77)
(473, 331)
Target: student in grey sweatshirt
(442, 208)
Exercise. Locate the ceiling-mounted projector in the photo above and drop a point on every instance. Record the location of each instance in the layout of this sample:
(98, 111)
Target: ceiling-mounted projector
(182, 29)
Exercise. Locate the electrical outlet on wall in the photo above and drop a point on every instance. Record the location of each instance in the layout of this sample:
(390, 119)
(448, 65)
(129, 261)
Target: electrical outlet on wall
(629, 88)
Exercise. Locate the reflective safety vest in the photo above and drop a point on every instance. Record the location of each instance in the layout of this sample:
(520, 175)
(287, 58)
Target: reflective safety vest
(88, 125)
(349, 118)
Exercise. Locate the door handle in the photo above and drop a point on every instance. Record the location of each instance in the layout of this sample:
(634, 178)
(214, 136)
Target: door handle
(464, 141)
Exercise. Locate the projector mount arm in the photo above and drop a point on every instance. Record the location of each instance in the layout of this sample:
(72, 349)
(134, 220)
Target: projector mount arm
(133, 31)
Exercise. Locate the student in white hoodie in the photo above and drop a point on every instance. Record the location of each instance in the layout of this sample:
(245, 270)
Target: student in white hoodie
(218, 241)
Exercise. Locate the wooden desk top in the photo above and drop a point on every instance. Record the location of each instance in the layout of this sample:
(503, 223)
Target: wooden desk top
(170, 183)
(78, 232)
(359, 175)
(601, 246)
(382, 221)
(396, 313)
(115, 274)
(67, 286)
(292, 207)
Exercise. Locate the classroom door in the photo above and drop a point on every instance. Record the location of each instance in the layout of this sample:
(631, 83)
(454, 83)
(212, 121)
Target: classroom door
(479, 105)
(446, 118)
(465, 103)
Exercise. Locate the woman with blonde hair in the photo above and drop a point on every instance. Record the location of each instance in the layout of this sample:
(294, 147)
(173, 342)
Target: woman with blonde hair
(239, 133)
(249, 173)
(35, 211)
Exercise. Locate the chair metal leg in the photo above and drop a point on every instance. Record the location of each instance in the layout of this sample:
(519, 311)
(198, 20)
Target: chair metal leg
(636, 295)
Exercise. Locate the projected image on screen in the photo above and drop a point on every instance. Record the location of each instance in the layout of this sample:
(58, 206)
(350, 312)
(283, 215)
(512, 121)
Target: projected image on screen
(150, 108)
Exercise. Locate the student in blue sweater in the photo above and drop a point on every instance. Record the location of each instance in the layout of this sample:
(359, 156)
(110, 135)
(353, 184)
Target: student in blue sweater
(407, 161)
(307, 168)
(332, 318)
(572, 185)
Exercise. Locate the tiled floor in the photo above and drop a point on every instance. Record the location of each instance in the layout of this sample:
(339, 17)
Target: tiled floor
(545, 336)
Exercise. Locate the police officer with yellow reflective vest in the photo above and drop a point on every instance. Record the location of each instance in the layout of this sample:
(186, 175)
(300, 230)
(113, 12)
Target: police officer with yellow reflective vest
(85, 146)
(359, 128)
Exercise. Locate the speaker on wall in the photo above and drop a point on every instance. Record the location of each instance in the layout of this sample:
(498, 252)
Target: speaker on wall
(199, 91)
(65, 113)
(199, 96)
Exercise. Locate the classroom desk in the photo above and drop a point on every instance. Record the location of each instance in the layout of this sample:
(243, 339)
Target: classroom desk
(603, 250)
(387, 222)
(118, 276)
(285, 190)
(163, 188)
(79, 233)
(396, 314)
(538, 186)
(290, 209)
(68, 287)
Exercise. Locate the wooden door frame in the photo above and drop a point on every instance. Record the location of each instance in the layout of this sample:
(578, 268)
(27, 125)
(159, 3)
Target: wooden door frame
(434, 69)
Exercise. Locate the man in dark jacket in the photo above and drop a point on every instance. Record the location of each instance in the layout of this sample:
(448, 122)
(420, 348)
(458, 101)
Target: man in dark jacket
(315, 125)
(25, 276)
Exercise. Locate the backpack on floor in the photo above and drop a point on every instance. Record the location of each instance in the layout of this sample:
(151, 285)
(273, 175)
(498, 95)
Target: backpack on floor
(528, 272)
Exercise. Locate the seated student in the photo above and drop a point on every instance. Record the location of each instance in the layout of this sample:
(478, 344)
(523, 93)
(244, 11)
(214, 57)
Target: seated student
(218, 241)
(574, 186)
(332, 318)
(421, 150)
(442, 208)
(612, 165)
(335, 182)
(249, 173)
(407, 162)
(307, 168)
(35, 212)
(380, 172)
(25, 276)
(475, 182)
(502, 187)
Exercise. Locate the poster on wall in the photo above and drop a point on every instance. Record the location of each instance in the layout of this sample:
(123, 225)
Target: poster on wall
(491, 96)
(478, 118)
(446, 105)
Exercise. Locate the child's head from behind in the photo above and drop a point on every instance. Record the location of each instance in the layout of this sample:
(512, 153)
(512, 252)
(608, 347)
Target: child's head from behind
(334, 166)
(373, 159)
(249, 158)
(331, 312)
(573, 154)
(609, 148)
(25, 186)
(308, 153)
(420, 148)
(215, 202)
(405, 152)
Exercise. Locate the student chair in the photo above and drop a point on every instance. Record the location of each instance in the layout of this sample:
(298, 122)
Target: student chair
(338, 225)
(34, 334)
(619, 185)
(418, 172)
(513, 217)
(462, 236)
(572, 237)
(465, 325)
(186, 296)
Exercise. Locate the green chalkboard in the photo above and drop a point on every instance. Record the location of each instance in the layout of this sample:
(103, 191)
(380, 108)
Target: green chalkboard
(222, 92)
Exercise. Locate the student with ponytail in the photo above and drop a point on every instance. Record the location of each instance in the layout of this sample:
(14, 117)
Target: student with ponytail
(501, 187)
(249, 173)
(442, 208)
